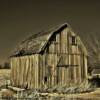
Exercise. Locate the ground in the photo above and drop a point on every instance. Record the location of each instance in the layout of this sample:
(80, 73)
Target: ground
(94, 95)
(4, 76)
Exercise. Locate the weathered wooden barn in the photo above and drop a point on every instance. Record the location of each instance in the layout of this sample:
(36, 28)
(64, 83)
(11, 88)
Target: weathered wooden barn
(50, 58)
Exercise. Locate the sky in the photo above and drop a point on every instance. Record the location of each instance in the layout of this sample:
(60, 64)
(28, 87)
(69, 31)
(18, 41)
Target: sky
(22, 18)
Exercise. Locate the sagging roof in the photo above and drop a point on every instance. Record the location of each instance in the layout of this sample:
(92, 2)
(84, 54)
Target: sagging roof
(37, 42)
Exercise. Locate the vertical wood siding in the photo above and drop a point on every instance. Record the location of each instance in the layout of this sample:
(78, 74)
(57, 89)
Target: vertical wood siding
(62, 63)
(24, 71)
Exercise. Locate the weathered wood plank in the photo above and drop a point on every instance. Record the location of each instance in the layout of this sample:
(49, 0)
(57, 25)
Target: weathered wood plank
(32, 71)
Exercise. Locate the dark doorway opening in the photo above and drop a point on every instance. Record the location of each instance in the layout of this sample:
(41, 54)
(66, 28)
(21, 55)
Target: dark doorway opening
(45, 79)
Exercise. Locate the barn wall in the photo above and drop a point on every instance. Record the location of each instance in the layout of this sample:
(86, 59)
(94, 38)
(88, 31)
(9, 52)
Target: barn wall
(47, 63)
(24, 71)
(62, 63)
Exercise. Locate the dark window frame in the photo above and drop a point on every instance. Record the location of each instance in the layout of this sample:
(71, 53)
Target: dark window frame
(73, 39)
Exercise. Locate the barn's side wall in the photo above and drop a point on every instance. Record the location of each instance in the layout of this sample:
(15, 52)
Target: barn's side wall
(24, 71)
(62, 63)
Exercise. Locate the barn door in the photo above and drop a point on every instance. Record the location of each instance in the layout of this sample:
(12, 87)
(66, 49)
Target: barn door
(52, 63)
